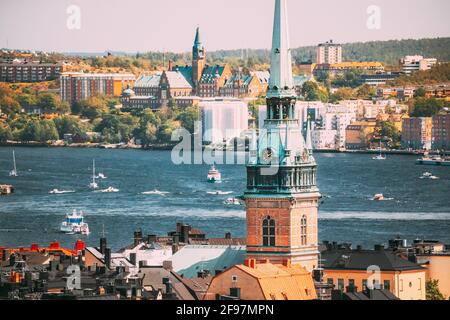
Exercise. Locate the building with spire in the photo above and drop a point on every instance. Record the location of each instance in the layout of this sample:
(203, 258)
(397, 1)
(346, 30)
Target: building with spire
(282, 196)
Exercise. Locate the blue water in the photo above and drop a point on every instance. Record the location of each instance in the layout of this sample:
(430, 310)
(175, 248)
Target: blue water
(420, 207)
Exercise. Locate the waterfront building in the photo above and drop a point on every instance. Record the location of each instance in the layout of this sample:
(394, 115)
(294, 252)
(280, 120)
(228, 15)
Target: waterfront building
(262, 281)
(441, 132)
(411, 64)
(358, 134)
(29, 71)
(223, 119)
(250, 85)
(76, 86)
(282, 204)
(417, 133)
(329, 52)
(353, 270)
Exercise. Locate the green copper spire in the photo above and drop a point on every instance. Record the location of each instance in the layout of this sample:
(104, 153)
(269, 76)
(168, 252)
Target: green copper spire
(281, 84)
(197, 41)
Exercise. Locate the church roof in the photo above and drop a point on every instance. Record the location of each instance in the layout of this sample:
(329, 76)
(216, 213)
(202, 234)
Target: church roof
(281, 82)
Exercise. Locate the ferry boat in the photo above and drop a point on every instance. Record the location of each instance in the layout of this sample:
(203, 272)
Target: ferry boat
(434, 160)
(74, 224)
(214, 175)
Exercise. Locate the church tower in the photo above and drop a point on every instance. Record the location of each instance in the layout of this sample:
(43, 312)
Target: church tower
(281, 195)
(198, 60)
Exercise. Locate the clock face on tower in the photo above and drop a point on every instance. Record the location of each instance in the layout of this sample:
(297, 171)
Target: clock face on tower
(268, 155)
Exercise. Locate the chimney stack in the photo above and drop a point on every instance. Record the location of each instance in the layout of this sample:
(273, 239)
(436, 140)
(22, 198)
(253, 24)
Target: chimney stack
(103, 245)
(228, 235)
(108, 258)
(137, 237)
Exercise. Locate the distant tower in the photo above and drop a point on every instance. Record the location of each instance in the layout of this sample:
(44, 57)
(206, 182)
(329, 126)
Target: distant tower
(281, 195)
(198, 60)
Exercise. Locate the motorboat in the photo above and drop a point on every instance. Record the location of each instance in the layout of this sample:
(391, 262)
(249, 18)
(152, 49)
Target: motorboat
(74, 224)
(214, 175)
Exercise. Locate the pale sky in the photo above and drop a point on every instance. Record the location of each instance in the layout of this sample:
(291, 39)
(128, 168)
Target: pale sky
(169, 25)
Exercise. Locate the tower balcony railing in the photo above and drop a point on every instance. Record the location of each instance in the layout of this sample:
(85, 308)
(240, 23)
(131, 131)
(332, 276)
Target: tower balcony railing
(281, 121)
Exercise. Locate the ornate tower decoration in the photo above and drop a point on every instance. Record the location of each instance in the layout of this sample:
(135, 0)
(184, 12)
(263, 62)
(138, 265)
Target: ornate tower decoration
(281, 195)
(198, 60)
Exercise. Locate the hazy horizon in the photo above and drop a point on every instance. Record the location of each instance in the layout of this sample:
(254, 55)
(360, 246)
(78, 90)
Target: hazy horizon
(169, 25)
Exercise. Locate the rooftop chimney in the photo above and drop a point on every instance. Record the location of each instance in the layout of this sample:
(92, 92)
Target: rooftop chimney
(103, 245)
(228, 235)
(137, 237)
(151, 238)
(107, 258)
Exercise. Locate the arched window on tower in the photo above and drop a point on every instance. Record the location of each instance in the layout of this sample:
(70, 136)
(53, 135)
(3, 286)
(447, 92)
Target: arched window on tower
(268, 227)
(303, 231)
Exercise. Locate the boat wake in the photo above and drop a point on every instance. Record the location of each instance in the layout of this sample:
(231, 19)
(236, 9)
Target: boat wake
(108, 190)
(155, 192)
(56, 191)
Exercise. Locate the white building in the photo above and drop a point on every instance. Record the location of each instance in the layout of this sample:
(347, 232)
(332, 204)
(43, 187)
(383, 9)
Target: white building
(223, 119)
(329, 52)
(410, 64)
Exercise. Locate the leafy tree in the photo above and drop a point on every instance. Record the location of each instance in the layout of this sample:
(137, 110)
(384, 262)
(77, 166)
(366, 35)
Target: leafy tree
(432, 290)
(365, 92)
(91, 108)
(188, 117)
(8, 102)
(5, 133)
(312, 92)
(51, 103)
(390, 131)
(342, 94)
(427, 107)
(420, 92)
(68, 125)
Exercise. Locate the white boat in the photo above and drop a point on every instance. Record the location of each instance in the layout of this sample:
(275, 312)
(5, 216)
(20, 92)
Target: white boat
(109, 190)
(56, 191)
(214, 175)
(93, 184)
(155, 192)
(232, 201)
(380, 156)
(74, 224)
(219, 193)
(13, 172)
(378, 197)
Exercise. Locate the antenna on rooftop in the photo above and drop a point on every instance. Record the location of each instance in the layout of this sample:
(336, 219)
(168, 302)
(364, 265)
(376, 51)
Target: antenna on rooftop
(103, 233)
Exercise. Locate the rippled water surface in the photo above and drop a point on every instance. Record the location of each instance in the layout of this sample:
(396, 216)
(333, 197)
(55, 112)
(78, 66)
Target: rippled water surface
(419, 207)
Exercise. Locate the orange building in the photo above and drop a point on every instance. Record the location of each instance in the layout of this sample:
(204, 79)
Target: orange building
(265, 281)
(358, 270)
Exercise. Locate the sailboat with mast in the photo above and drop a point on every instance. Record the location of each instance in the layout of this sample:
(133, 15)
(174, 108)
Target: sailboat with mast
(380, 156)
(93, 184)
(13, 172)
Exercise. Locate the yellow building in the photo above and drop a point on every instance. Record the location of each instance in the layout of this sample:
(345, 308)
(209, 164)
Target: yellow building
(359, 270)
(263, 281)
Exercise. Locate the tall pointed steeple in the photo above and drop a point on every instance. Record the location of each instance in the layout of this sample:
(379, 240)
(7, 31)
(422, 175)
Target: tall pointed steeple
(282, 196)
(197, 41)
(281, 83)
